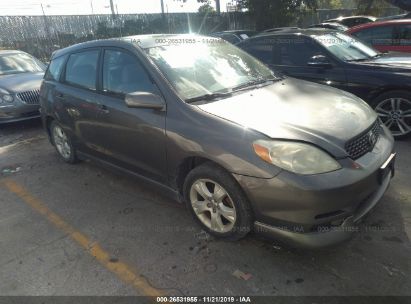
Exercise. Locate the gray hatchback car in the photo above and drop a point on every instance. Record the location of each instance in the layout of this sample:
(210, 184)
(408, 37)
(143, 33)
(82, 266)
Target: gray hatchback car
(245, 149)
(20, 78)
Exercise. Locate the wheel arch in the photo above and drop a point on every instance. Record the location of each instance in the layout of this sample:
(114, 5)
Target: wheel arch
(188, 164)
(48, 120)
(376, 94)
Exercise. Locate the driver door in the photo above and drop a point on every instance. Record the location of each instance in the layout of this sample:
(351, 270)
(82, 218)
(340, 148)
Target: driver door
(131, 138)
(292, 57)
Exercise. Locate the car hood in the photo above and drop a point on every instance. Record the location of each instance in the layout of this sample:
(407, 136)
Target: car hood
(390, 60)
(21, 82)
(298, 110)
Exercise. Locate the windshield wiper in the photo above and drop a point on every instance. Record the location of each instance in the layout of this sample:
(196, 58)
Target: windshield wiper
(359, 59)
(365, 59)
(253, 84)
(208, 97)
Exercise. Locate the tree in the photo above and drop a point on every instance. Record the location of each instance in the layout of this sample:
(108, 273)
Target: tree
(276, 13)
(206, 9)
(206, 5)
(329, 4)
(376, 7)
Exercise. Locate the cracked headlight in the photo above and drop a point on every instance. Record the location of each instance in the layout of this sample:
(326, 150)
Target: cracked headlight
(296, 157)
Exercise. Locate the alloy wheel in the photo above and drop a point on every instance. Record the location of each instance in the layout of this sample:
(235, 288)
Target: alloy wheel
(395, 113)
(213, 205)
(61, 142)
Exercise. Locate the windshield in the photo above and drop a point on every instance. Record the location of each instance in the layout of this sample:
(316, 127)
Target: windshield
(204, 68)
(346, 47)
(19, 63)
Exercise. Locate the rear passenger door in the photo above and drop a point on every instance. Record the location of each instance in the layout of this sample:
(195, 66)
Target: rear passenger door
(131, 138)
(76, 97)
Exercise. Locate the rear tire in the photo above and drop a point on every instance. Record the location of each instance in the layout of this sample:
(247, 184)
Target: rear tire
(62, 143)
(394, 110)
(217, 202)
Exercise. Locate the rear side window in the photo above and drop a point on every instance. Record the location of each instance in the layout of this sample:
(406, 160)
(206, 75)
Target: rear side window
(381, 35)
(123, 73)
(261, 49)
(295, 51)
(81, 69)
(55, 68)
(404, 34)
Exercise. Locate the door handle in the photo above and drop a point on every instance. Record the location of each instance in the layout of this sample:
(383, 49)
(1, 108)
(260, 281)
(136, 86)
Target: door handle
(103, 109)
(60, 96)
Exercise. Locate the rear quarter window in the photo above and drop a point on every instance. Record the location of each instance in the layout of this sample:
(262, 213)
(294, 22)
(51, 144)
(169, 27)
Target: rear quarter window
(54, 70)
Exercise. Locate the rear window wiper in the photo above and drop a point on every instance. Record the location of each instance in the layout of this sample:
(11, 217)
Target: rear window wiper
(208, 97)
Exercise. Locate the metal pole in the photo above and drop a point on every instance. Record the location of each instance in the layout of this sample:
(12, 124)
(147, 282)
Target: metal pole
(113, 13)
(92, 8)
(218, 6)
(163, 15)
(46, 27)
(162, 7)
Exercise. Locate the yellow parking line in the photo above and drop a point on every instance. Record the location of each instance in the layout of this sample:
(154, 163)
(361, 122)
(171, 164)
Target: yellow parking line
(119, 268)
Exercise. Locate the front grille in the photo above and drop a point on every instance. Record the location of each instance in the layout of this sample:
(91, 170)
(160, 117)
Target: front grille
(365, 142)
(30, 97)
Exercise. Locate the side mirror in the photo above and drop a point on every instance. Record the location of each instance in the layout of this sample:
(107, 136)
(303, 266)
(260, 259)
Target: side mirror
(144, 100)
(319, 61)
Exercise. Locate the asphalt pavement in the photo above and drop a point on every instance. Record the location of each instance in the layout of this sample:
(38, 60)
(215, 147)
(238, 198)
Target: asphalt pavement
(85, 230)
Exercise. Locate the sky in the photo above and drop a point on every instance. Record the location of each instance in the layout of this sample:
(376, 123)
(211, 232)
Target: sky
(85, 7)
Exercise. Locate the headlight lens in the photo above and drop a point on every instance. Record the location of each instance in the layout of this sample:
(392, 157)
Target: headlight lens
(296, 157)
(7, 98)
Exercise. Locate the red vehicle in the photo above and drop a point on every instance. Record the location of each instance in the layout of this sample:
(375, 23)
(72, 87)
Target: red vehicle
(385, 36)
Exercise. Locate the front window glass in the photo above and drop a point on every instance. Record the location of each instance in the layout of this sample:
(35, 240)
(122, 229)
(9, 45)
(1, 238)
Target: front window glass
(19, 63)
(196, 69)
(81, 69)
(123, 74)
(345, 47)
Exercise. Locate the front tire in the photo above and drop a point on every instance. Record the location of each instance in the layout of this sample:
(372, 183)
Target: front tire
(217, 202)
(62, 143)
(394, 110)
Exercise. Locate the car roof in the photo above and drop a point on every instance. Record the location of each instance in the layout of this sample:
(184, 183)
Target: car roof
(303, 32)
(142, 41)
(2, 52)
(352, 17)
(332, 23)
(380, 23)
(276, 29)
(234, 32)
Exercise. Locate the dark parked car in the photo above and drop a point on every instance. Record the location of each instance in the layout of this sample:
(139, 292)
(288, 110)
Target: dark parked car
(353, 20)
(396, 17)
(330, 26)
(20, 78)
(279, 29)
(242, 147)
(336, 59)
(234, 36)
(385, 36)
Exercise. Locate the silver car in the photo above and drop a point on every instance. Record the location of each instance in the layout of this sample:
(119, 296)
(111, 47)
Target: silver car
(20, 79)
